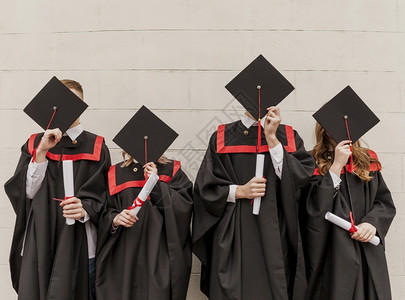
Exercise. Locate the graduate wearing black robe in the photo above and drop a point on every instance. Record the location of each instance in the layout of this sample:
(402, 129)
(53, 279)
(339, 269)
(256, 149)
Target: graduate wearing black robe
(339, 267)
(55, 259)
(246, 256)
(152, 259)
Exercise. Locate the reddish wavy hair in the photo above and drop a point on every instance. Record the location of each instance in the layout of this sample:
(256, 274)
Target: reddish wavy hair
(324, 155)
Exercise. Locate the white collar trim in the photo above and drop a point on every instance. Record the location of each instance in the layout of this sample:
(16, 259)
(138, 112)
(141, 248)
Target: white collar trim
(74, 132)
(248, 122)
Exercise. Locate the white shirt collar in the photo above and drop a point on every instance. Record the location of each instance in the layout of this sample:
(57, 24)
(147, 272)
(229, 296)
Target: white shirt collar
(74, 132)
(248, 122)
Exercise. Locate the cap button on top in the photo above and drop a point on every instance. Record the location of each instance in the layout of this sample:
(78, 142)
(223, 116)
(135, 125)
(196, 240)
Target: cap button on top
(135, 170)
(74, 142)
(246, 132)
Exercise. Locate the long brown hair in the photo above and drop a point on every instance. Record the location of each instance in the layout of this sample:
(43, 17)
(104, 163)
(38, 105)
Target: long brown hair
(128, 159)
(324, 155)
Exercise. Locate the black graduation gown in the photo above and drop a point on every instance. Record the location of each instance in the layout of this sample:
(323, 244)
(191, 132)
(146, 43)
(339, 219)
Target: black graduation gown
(152, 259)
(54, 264)
(245, 256)
(339, 267)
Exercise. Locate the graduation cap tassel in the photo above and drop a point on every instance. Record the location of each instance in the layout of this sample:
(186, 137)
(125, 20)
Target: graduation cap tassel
(53, 115)
(259, 128)
(47, 127)
(353, 227)
(145, 138)
(259, 157)
(351, 146)
(259, 125)
(146, 148)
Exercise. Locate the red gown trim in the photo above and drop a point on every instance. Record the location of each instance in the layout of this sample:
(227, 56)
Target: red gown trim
(176, 167)
(221, 148)
(95, 156)
(114, 188)
(373, 167)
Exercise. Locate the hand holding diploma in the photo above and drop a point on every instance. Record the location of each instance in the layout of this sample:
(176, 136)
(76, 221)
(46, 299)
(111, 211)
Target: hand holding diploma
(125, 218)
(347, 225)
(72, 209)
(128, 216)
(256, 187)
(365, 232)
(144, 194)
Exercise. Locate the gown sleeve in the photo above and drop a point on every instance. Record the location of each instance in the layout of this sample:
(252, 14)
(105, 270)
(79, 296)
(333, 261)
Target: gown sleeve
(15, 189)
(298, 164)
(211, 191)
(176, 197)
(93, 192)
(319, 200)
(383, 209)
(15, 186)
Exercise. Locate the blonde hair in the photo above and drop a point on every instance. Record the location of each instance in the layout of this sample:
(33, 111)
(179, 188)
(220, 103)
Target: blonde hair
(128, 159)
(323, 155)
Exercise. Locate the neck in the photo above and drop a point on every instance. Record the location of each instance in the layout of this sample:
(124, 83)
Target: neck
(250, 115)
(77, 122)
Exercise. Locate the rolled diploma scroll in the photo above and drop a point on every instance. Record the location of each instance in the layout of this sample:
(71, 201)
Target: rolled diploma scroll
(68, 184)
(342, 223)
(144, 193)
(259, 174)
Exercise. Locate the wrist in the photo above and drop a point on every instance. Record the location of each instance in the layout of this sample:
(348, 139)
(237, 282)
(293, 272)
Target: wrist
(115, 221)
(272, 141)
(336, 169)
(239, 193)
(40, 155)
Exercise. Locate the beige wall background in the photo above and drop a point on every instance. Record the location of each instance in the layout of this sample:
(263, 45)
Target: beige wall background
(177, 56)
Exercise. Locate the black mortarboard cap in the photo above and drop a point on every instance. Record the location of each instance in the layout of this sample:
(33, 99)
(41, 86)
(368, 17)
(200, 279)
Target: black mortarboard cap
(145, 128)
(55, 97)
(346, 105)
(259, 73)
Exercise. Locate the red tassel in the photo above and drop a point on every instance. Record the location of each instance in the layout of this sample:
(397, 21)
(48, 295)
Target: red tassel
(146, 155)
(351, 160)
(259, 125)
(350, 169)
(146, 148)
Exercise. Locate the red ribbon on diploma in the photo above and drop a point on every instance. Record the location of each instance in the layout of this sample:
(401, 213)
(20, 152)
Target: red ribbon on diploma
(352, 229)
(57, 199)
(137, 202)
